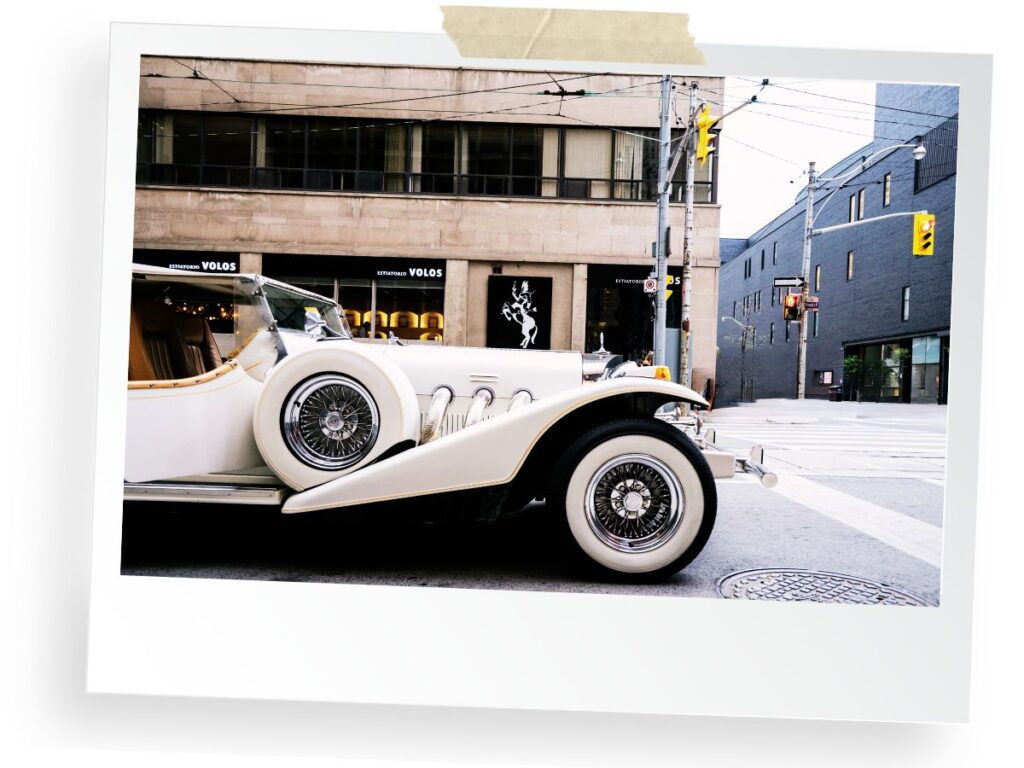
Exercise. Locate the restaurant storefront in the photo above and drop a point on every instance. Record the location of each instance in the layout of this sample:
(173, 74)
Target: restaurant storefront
(380, 296)
(618, 308)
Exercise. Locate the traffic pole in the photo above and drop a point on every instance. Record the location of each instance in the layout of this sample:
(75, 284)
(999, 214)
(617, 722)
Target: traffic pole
(805, 273)
(661, 268)
(685, 361)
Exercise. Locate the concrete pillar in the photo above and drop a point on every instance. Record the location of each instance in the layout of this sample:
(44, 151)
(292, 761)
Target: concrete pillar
(579, 307)
(456, 292)
(250, 263)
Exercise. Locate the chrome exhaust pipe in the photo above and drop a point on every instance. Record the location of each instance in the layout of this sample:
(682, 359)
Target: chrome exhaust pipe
(435, 414)
(481, 400)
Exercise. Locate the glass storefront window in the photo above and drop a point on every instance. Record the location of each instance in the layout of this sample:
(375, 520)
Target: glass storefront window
(378, 296)
(414, 310)
(356, 298)
(925, 369)
(618, 307)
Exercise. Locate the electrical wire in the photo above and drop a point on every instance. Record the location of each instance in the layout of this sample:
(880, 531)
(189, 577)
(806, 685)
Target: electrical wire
(759, 149)
(285, 106)
(855, 101)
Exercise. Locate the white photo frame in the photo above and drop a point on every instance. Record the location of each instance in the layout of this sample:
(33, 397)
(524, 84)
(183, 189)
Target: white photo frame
(531, 650)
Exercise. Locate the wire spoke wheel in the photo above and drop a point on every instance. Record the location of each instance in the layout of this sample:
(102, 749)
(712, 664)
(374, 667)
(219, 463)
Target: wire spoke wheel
(634, 503)
(330, 421)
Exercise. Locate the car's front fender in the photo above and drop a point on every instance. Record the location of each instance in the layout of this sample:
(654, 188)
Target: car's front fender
(489, 453)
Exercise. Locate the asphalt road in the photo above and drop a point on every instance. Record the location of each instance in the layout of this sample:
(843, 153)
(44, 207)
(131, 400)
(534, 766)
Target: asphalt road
(860, 493)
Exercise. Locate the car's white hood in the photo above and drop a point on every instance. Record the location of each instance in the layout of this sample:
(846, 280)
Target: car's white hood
(504, 371)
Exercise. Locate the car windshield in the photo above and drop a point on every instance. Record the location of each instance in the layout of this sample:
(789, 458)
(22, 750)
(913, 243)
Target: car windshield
(289, 308)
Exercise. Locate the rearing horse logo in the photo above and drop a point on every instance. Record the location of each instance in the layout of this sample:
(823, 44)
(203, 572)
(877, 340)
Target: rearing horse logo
(519, 312)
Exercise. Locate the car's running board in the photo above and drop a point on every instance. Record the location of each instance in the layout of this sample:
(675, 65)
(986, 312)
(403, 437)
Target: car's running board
(205, 492)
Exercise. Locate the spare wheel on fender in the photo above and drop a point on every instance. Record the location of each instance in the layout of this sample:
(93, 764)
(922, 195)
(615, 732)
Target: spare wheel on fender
(330, 410)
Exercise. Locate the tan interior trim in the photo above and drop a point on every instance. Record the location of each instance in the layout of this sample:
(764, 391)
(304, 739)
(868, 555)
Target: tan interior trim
(245, 343)
(189, 382)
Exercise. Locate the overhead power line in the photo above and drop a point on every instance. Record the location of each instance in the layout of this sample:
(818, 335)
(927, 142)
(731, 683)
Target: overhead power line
(855, 101)
(285, 106)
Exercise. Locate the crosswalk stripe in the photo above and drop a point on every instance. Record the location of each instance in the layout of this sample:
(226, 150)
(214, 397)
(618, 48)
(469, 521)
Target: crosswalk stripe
(919, 539)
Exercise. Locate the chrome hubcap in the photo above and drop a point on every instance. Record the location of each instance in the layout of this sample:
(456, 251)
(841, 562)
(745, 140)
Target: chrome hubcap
(634, 503)
(330, 421)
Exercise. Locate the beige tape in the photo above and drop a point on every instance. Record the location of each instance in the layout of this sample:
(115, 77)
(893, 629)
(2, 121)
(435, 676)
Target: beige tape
(574, 35)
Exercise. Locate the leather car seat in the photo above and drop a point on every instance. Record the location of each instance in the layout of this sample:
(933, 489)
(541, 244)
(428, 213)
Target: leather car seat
(201, 349)
(162, 341)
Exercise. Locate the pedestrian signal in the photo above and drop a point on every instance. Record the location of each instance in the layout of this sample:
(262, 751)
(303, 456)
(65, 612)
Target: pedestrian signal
(791, 307)
(924, 234)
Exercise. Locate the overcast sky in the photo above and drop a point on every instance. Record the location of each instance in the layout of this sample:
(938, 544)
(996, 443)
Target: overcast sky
(754, 186)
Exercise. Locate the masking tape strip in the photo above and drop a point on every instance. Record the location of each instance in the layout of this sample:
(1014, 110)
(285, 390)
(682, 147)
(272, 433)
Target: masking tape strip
(573, 35)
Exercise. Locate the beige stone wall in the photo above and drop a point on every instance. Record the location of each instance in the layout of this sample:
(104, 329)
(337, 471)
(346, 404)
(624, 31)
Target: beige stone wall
(561, 290)
(358, 90)
(563, 231)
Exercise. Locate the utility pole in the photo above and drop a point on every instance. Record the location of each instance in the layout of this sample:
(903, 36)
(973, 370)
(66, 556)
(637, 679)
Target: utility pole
(661, 269)
(805, 272)
(685, 363)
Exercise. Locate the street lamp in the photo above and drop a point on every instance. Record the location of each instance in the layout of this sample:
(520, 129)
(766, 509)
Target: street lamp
(918, 153)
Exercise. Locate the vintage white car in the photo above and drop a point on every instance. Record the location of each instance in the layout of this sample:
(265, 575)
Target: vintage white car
(242, 389)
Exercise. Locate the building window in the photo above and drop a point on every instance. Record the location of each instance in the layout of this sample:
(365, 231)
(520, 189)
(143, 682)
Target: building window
(886, 190)
(771, 334)
(853, 207)
(849, 265)
(352, 155)
(905, 303)
(823, 377)
(734, 309)
(773, 296)
(775, 254)
(762, 259)
(757, 301)
(588, 158)
(862, 203)
(787, 333)
(815, 324)
(817, 277)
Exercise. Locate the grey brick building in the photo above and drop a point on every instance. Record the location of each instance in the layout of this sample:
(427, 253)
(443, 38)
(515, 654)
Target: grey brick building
(879, 305)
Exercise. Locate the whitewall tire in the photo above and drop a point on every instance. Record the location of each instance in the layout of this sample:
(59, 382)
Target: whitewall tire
(328, 411)
(639, 499)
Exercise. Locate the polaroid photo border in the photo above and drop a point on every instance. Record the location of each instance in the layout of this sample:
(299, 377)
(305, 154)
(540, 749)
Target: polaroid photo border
(532, 650)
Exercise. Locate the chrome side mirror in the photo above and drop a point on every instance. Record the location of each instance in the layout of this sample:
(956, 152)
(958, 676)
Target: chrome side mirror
(315, 325)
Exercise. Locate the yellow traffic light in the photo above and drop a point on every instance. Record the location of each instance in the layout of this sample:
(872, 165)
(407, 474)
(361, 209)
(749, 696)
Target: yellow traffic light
(924, 234)
(704, 139)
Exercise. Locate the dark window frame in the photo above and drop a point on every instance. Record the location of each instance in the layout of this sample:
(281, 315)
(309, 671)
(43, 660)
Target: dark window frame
(150, 172)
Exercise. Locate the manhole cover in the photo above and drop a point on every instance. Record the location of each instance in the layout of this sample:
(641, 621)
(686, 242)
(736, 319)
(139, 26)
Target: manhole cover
(798, 585)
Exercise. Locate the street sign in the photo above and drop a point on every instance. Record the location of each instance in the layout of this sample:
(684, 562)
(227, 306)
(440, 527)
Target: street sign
(812, 304)
(650, 285)
(788, 282)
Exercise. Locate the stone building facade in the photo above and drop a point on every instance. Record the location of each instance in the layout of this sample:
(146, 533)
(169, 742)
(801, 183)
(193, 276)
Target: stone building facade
(409, 193)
